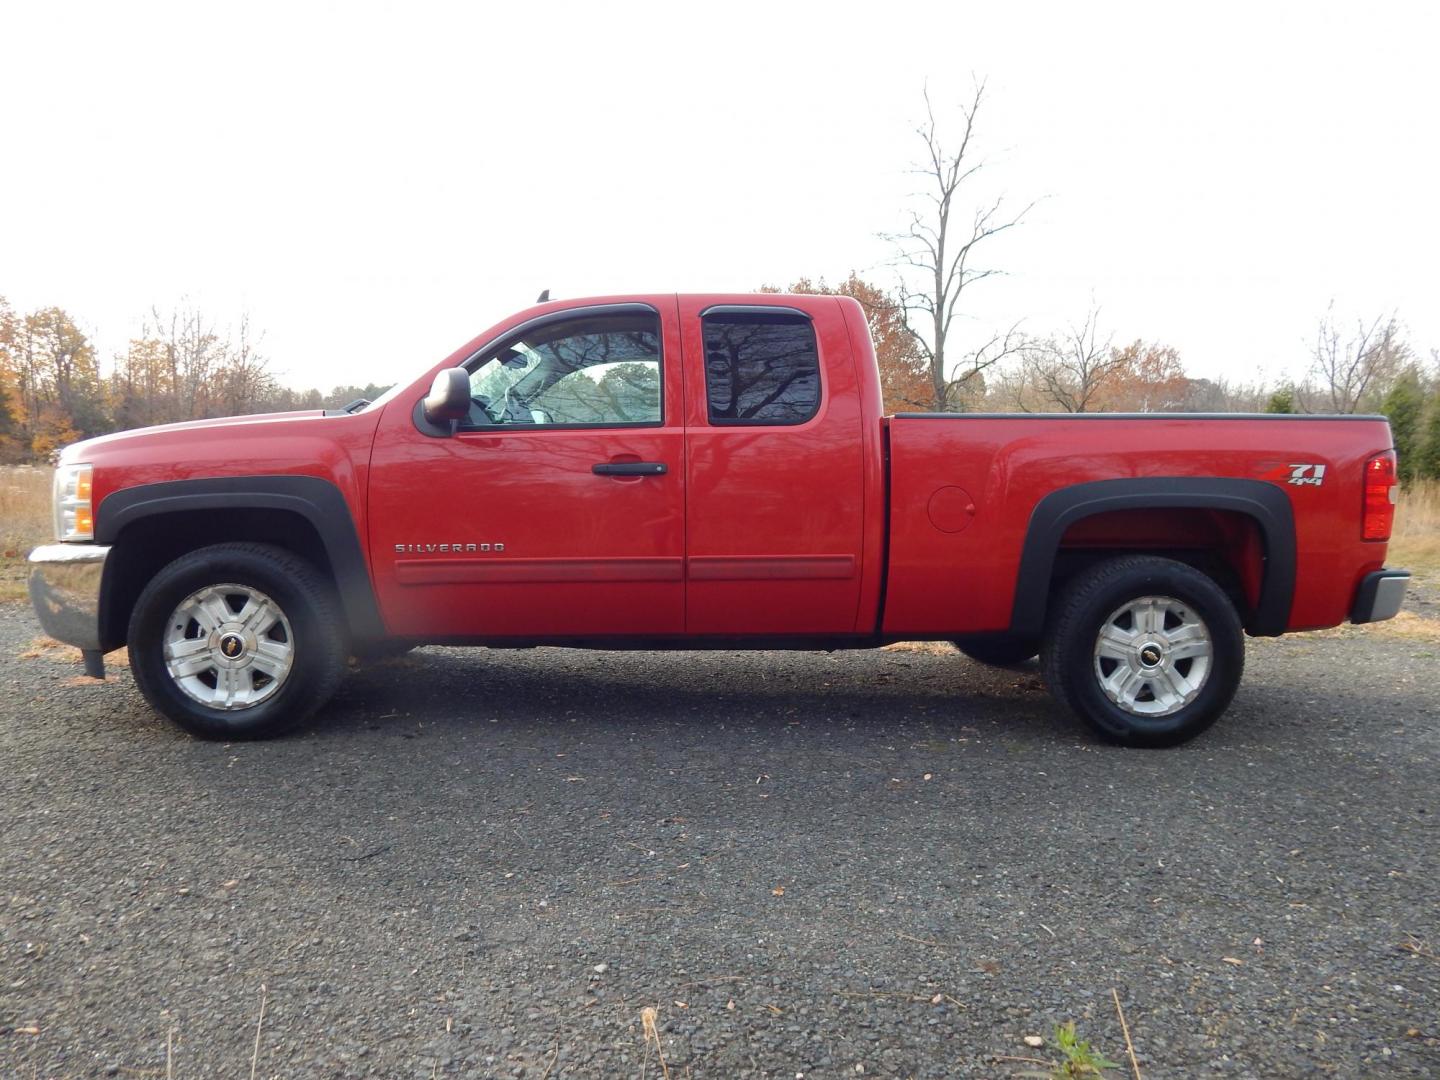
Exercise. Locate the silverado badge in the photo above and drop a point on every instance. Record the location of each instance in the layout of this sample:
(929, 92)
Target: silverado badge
(445, 549)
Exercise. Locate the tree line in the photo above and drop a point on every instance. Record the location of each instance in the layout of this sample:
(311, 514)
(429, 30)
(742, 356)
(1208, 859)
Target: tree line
(184, 365)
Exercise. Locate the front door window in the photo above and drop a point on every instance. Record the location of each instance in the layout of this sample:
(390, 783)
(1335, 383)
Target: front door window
(596, 371)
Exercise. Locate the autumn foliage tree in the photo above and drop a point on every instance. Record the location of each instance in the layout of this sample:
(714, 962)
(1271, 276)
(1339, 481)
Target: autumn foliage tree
(12, 445)
(184, 366)
(904, 372)
(51, 381)
(139, 385)
(181, 367)
(1147, 377)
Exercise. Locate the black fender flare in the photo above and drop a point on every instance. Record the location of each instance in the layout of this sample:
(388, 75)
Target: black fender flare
(316, 500)
(1265, 503)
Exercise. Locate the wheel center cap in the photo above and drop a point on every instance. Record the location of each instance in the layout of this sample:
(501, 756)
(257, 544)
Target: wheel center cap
(1151, 654)
(232, 645)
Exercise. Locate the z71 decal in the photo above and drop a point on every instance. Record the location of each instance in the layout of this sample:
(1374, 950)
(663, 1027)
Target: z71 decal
(1298, 474)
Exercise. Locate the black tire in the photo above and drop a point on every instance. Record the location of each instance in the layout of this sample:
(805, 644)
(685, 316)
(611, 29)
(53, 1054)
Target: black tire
(312, 632)
(999, 651)
(1074, 670)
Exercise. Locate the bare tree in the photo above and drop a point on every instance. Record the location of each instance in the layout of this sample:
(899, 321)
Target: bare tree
(1222, 395)
(244, 380)
(1069, 371)
(185, 366)
(193, 352)
(938, 247)
(1350, 369)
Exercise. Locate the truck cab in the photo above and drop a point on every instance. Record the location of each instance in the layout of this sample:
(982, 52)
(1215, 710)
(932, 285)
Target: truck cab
(649, 468)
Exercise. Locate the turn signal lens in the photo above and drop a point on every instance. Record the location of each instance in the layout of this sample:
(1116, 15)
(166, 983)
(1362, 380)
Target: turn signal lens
(1380, 494)
(74, 516)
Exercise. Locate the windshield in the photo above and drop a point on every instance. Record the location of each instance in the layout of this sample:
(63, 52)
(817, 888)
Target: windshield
(494, 378)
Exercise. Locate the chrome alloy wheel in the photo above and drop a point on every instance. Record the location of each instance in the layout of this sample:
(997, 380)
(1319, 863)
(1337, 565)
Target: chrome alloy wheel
(229, 647)
(1152, 655)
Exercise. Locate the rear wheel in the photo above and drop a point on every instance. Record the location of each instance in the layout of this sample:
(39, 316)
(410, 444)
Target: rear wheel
(999, 651)
(1147, 651)
(236, 641)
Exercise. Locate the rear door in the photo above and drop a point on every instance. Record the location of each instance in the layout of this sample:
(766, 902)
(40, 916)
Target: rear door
(775, 510)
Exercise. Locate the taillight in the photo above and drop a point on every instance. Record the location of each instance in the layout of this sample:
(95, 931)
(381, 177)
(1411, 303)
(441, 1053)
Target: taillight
(1380, 492)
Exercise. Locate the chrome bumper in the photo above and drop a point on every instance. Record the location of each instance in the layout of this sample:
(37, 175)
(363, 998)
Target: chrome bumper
(1379, 596)
(65, 589)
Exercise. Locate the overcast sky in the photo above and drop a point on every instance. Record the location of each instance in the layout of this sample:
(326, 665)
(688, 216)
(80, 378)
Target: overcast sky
(377, 183)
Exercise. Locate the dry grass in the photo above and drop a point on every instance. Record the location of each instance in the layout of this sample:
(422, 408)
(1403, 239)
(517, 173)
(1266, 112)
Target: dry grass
(1416, 541)
(24, 522)
(1408, 625)
(46, 648)
(929, 648)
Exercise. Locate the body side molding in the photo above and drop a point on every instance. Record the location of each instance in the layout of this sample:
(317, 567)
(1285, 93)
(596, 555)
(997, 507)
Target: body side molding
(316, 500)
(1263, 502)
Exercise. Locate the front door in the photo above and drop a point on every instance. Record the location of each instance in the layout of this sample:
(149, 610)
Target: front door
(557, 509)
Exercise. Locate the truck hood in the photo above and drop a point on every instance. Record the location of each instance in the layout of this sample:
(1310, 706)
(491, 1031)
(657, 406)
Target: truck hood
(135, 437)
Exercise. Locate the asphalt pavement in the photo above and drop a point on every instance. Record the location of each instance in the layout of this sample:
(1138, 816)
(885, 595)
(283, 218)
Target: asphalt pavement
(894, 863)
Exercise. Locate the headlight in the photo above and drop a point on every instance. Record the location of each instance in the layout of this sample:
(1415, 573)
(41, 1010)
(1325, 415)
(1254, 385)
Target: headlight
(74, 518)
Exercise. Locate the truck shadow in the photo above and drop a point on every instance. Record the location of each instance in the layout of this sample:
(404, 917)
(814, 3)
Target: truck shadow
(875, 692)
(659, 693)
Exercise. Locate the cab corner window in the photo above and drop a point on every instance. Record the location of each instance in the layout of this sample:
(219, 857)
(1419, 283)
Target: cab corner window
(760, 368)
(593, 370)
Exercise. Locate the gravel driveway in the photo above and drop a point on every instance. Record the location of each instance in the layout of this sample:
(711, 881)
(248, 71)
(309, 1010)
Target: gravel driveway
(885, 864)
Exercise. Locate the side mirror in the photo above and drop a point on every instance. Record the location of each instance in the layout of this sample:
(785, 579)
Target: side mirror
(449, 397)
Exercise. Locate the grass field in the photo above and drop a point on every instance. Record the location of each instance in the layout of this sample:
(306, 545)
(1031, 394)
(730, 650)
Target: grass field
(1415, 542)
(25, 522)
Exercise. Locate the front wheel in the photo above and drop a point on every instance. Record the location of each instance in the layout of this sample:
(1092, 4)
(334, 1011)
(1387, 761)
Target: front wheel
(1147, 651)
(236, 641)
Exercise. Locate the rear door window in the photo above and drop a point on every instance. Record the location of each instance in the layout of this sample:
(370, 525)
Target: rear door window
(761, 368)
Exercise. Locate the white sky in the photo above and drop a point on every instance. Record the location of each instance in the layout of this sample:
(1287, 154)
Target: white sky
(376, 183)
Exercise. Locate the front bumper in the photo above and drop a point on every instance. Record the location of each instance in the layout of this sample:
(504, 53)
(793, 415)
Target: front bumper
(65, 589)
(1379, 596)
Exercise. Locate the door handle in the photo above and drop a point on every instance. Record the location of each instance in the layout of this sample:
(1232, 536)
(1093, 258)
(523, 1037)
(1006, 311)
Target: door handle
(630, 468)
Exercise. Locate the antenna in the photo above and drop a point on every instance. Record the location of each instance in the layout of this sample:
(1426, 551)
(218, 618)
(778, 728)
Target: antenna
(543, 297)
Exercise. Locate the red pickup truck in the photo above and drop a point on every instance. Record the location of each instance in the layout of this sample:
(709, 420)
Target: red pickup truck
(690, 472)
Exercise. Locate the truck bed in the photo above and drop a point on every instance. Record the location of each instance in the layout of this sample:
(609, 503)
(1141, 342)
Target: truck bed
(966, 488)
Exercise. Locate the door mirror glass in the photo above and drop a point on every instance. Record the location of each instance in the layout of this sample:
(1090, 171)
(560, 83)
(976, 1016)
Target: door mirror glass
(449, 397)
